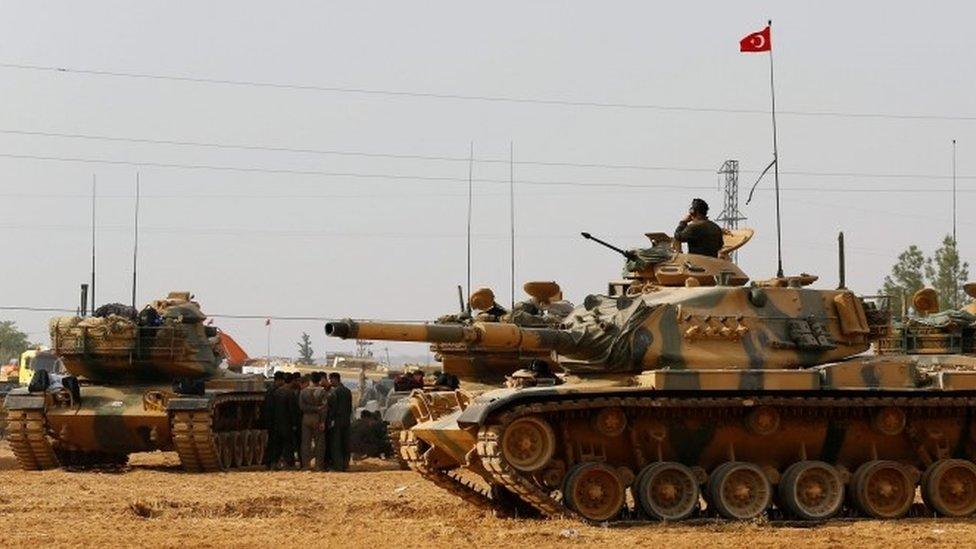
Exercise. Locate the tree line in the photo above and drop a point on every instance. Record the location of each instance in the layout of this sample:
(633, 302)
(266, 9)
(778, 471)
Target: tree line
(943, 271)
(13, 342)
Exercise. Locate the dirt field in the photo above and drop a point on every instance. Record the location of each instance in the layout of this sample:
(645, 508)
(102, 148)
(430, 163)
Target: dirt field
(155, 505)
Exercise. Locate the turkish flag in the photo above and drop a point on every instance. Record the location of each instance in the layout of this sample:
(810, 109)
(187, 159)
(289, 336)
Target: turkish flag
(756, 42)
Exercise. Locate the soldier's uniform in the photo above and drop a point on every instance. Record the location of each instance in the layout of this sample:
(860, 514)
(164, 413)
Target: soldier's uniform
(340, 416)
(311, 401)
(704, 236)
(267, 415)
(285, 404)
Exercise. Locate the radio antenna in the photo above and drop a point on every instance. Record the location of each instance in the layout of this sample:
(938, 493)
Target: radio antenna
(470, 203)
(135, 245)
(94, 184)
(511, 200)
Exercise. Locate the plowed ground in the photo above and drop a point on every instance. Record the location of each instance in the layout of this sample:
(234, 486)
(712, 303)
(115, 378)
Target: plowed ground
(153, 504)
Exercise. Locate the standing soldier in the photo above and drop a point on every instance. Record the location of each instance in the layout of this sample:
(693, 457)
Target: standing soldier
(274, 442)
(362, 380)
(311, 401)
(340, 415)
(284, 418)
(321, 453)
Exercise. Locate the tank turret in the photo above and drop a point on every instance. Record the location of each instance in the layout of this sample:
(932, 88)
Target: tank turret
(729, 327)
(166, 340)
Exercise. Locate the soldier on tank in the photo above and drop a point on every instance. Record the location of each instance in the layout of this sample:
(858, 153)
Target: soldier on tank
(703, 236)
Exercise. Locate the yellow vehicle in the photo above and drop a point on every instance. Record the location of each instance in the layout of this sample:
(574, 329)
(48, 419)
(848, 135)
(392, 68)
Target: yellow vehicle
(33, 360)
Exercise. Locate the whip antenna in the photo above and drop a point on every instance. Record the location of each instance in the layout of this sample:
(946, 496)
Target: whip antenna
(135, 244)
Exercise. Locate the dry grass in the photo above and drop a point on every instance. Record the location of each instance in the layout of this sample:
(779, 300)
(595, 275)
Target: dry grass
(153, 504)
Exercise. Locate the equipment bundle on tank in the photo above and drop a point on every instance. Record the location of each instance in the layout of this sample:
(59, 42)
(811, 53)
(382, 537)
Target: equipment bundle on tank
(700, 394)
(139, 382)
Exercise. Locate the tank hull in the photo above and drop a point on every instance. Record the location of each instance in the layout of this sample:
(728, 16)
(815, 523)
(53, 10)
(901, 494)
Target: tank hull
(220, 429)
(906, 419)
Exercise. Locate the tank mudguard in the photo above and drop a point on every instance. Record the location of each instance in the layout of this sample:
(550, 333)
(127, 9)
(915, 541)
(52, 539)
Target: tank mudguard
(20, 399)
(486, 403)
(184, 403)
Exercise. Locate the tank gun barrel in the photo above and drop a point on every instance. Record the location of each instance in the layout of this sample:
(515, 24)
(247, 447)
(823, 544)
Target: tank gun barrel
(483, 333)
(628, 254)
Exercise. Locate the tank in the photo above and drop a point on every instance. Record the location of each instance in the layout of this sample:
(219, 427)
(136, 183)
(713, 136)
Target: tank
(138, 383)
(688, 391)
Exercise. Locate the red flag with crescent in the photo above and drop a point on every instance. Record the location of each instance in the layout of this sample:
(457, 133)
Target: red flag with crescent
(756, 42)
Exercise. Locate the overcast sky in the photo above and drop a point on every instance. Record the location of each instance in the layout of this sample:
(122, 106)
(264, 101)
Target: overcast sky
(375, 235)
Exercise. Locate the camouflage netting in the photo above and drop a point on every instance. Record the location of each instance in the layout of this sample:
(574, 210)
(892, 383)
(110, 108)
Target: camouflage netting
(644, 258)
(609, 334)
(107, 334)
(946, 319)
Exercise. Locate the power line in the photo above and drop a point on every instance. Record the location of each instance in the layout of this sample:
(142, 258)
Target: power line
(444, 179)
(444, 158)
(484, 98)
(286, 171)
(235, 316)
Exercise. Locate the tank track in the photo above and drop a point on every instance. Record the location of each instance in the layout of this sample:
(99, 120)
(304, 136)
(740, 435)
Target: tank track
(203, 450)
(393, 435)
(27, 436)
(489, 449)
(489, 436)
(412, 450)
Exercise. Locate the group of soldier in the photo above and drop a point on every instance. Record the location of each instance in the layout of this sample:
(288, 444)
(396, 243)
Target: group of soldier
(308, 416)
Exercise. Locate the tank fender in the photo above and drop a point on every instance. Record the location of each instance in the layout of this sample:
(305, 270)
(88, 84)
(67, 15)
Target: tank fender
(24, 401)
(484, 404)
(189, 403)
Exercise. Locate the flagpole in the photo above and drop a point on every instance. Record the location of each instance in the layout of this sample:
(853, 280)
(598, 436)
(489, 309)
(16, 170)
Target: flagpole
(772, 95)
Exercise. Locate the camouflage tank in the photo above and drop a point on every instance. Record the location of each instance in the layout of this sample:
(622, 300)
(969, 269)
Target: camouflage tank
(138, 384)
(482, 366)
(689, 392)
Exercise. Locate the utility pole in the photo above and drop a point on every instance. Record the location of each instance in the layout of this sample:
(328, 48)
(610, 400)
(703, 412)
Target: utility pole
(730, 216)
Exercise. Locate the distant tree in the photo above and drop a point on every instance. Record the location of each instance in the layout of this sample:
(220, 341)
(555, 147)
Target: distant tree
(12, 341)
(305, 350)
(947, 275)
(906, 278)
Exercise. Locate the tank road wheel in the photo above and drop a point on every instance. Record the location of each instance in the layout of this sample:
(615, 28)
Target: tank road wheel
(260, 441)
(528, 443)
(883, 489)
(594, 491)
(225, 446)
(248, 441)
(812, 490)
(237, 439)
(949, 487)
(739, 490)
(610, 422)
(667, 491)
